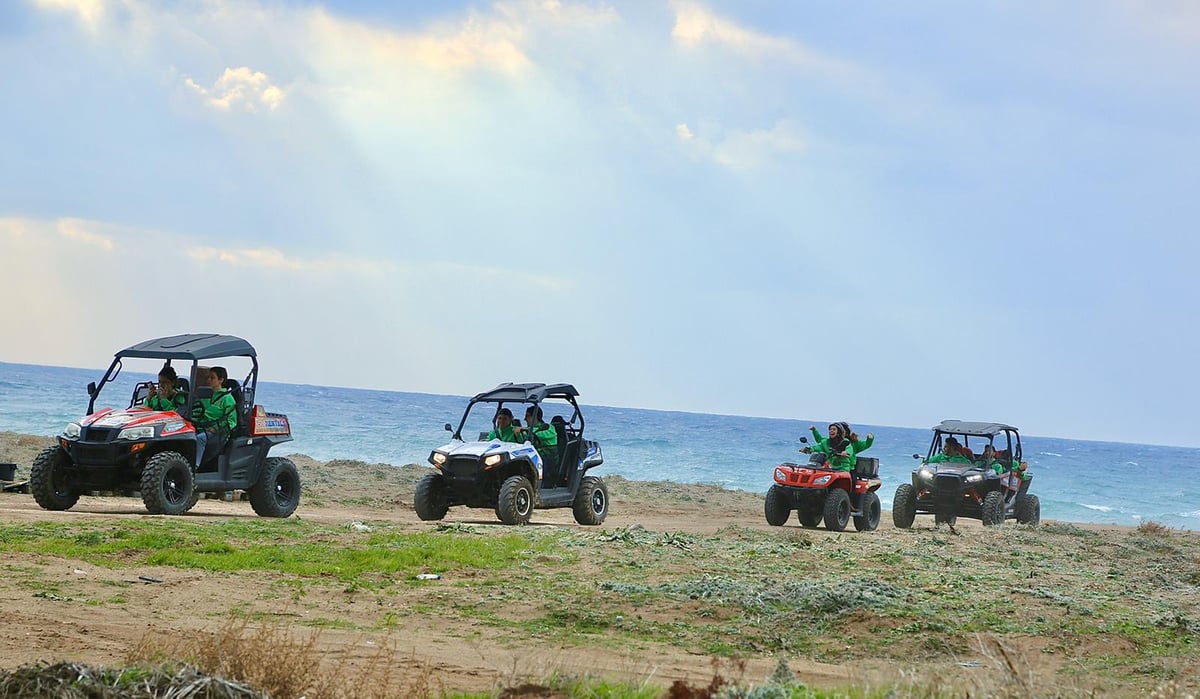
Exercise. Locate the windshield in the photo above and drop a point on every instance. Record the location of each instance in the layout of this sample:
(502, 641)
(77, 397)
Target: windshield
(480, 417)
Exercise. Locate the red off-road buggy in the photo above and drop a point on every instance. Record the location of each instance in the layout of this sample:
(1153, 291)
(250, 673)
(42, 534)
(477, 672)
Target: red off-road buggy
(818, 493)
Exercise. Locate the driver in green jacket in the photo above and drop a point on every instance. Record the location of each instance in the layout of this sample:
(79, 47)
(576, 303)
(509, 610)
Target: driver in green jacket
(837, 447)
(543, 436)
(951, 453)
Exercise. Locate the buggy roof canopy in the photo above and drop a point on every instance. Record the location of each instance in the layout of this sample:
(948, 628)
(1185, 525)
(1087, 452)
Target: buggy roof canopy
(194, 347)
(973, 429)
(526, 392)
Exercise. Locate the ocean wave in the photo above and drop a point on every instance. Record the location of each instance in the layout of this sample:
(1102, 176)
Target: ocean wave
(1132, 463)
(1099, 508)
(1048, 453)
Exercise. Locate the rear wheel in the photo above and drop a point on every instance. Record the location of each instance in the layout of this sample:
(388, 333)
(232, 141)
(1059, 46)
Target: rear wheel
(868, 521)
(1028, 509)
(277, 491)
(775, 507)
(516, 501)
(591, 502)
(430, 499)
(48, 480)
(168, 484)
(904, 506)
(809, 512)
(992, 509)
(837, 510)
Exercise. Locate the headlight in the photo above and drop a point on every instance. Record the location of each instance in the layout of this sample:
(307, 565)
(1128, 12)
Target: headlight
(822, 480)
(136, 433)
(780, 475)
(925, 474)
(493, 460)
(437, 458)
(974, 478)
(71, 430)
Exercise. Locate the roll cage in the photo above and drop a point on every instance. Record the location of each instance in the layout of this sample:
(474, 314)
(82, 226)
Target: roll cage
(194, 348)
(985, 432)
(524, 394)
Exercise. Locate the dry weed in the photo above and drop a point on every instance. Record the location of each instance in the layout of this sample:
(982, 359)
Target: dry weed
(285, 663)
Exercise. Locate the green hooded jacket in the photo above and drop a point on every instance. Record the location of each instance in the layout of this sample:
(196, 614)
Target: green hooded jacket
(942, 459)
(218, 412)
(835, 462)
(160, 402)
(507, 434)
(545, 439)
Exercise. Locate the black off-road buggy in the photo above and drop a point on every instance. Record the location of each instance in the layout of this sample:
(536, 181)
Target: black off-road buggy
(967, 486)
(137, 449)
(511, 478)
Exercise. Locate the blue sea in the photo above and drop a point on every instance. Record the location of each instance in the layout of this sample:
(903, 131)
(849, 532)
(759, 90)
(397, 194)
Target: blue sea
(1077, 481)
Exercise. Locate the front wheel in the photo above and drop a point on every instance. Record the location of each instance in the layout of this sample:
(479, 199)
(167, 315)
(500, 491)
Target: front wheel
(276, 493)
(904, 506)
(430, 499)
(591, 502)
(49, 482)
(775, 507)
(992, 509)
(837, 510)
(168, 484)
(515, 505)
(1028, 509)
(868, 521)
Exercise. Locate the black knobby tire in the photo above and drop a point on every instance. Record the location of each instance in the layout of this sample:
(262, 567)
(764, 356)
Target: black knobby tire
(1028, 509)
(276, 493)
(868, 521)
(776, 507)
(992, 509)
(591, 502)
(430, 499)
(809, 512)
(515, 505)
(837, 510)
(904, 506)
(168, 484)
(48, 480)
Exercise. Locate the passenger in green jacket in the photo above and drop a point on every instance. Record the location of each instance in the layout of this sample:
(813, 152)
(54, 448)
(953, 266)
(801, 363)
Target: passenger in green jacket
(166, 395)
(216, 417)
(951, 453)
(837, 448)
(543, 437)
(860, 445)
(504, 428)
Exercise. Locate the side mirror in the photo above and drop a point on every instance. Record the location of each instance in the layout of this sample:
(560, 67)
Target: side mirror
(448, 428)
(916, 456)
(204, 392)
(804, 440)
(91, 389)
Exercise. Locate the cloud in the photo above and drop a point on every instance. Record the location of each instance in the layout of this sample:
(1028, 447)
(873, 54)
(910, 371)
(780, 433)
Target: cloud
(240, 87)
(696, 26)
(744, 150)
(89, 12)
(80, 231)
(491, 43)
(270, 258)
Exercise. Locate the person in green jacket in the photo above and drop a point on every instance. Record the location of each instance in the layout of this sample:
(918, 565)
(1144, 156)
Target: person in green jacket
(951, 453)
(214, 418)
(543, 436)
(166, 395)
(505, 432)
(837, 448)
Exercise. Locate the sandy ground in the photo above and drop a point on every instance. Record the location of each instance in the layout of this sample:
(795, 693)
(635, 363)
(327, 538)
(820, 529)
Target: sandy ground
(77, 625)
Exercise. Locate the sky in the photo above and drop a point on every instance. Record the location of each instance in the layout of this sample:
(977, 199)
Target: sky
(885, 213)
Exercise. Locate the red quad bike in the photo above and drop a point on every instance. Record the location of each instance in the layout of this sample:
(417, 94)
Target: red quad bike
(816, 492)
(153, 452)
